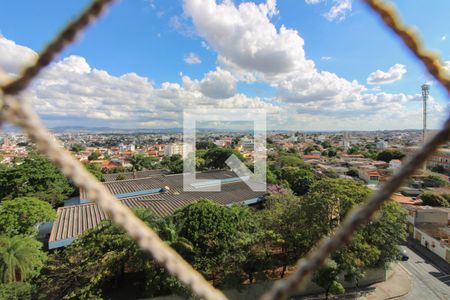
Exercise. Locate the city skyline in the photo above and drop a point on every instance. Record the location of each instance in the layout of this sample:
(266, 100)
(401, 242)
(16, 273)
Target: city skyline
(298, 60)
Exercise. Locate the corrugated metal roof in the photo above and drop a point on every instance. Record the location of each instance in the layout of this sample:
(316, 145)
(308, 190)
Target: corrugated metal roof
(134, 175)
(73, 220)
(157, 181)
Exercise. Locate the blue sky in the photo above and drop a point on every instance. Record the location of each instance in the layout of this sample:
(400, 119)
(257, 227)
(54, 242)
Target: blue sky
(155, 40)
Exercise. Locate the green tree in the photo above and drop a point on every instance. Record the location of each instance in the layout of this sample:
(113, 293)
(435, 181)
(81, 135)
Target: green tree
(100, 260)
(205, 145)
(388, 155)
(21, 258)
(16, 291)
(327, 277)
(311, 148)
(372, 154)
(299, 180)
(215, 158)
(330, 173)
(353, 173)
(215, 232)
(136, 161)
(327, 203)
(290, 160)
(282, 216)
(353, 150)
(434, 181)
(200, 163)
(385, 231)
(94, 155)
(77, 148)
(331, 152)
(431, 199)
(374, 245)
(151, 163)
(116, 170)
(173, 163)
(95, 170)
(251, 253)
(326, 144)
(439, 169)
(21, 215)
(170, 233)
(34, 176)
(271, 177)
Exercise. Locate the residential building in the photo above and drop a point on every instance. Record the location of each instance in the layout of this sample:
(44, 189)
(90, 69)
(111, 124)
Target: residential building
(370, 175)
(381, 145)
(395, 164)
(173, 149)
(430, 227)
(440, 158)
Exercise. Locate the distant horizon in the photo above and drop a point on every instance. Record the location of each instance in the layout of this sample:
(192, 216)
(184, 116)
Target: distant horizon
(160, 130)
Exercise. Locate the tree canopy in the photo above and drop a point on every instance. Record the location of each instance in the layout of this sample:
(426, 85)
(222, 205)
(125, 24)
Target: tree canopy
(94, 155)
(311, 148)
(289, 160)
(77, 148)
(375, 245)
(142, 161)
(282, 216)
(327, 277)
(227, 242)
(214, 231)
(173, 163)
(21, 258)
(215, 158)
(434, 181)
(99, 260)
(431, 199)
(34, 176)
(95, 170)
(299, 180)
(21, 215)
(205, 145)
(388, 155)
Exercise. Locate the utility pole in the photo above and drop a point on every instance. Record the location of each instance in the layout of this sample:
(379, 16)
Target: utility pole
(425, 93)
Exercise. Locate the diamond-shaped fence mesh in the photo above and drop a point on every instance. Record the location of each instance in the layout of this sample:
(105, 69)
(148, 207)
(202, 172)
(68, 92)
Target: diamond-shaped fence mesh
(15, 109)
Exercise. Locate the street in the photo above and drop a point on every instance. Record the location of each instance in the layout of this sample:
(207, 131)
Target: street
(427, 281)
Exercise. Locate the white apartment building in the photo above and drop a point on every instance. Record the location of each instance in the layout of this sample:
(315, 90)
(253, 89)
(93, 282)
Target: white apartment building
(173, 149)
(381, 145)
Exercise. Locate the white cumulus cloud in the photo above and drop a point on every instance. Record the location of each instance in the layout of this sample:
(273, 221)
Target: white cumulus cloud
(338, 11)
(13, 57)
(395, 73)
(71, 92)
(192, 59)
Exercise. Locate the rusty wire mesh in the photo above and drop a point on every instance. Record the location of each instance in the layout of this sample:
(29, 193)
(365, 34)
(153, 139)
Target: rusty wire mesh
(16, 110)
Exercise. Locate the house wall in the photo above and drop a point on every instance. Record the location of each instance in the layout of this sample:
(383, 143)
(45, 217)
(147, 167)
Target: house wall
(433, 244)
(432, 217)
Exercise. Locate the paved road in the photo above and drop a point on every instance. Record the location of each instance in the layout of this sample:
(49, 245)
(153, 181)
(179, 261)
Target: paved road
(428, 282)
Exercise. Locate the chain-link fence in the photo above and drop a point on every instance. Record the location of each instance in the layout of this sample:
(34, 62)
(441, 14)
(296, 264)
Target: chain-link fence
(15, 109)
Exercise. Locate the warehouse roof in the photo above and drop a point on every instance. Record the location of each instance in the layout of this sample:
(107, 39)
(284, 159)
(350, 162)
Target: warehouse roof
(134, 175)
(74, 220)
